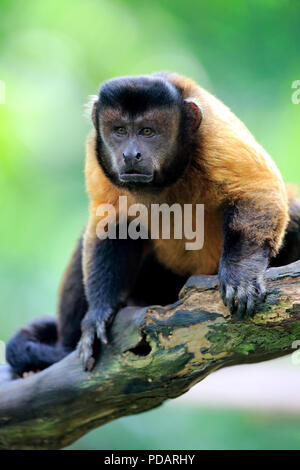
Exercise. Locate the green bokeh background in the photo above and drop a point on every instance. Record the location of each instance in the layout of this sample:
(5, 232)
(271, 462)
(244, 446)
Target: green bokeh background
(53, 54)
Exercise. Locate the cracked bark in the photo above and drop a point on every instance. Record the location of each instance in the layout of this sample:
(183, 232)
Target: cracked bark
(154, 353)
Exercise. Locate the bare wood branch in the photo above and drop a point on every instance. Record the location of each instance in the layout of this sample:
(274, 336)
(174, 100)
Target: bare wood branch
(154, 353)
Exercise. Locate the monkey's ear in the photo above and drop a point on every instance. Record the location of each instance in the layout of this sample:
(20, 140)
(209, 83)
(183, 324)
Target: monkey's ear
(193, 112)
(94, 114)
(90, 109)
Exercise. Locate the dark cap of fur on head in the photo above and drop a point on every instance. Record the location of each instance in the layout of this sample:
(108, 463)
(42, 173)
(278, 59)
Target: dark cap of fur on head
(136, 94)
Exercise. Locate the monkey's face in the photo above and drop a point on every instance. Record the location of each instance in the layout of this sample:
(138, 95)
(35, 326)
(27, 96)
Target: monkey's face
(145, 131)
(139, 150)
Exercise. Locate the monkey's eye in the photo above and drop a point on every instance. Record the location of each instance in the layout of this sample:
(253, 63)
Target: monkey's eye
(121, 130)
(146, 131)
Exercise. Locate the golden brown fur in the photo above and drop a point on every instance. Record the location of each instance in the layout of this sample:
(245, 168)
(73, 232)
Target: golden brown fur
(229, 166)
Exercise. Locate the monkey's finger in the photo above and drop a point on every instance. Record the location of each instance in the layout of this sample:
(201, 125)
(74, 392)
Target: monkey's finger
(79, 348)
(90, 364)
(223, 293)
(86, 348)
(230, 295)
(101, 332)
(242, 301)
(251, 306)
(262, 292)
(87, 359)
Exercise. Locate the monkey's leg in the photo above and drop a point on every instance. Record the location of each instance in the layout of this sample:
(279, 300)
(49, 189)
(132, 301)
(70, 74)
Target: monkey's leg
(290, 250)
(43, 343)
(111, 267)
(72, 305)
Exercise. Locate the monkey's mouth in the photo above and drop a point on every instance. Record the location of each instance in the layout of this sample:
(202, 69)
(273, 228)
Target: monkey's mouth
(135, 177)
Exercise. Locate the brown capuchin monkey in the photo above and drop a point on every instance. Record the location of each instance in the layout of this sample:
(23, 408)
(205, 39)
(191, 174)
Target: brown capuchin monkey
(161, 138)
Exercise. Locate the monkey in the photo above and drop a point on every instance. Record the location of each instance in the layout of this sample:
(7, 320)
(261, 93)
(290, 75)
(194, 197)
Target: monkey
(161, 138)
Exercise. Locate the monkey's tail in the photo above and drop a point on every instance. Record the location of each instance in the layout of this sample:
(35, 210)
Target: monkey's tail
(35, 347)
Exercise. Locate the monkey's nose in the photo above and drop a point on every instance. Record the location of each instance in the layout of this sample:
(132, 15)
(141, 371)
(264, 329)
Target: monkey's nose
(131, 158)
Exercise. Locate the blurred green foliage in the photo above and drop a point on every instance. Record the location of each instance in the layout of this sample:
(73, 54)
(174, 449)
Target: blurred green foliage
(186, 427)
(53, 54)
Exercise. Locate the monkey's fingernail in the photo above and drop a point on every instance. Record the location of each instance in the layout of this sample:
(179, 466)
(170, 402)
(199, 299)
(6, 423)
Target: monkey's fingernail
(104, 339)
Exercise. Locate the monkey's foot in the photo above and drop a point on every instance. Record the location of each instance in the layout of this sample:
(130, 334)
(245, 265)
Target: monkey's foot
(92, 328)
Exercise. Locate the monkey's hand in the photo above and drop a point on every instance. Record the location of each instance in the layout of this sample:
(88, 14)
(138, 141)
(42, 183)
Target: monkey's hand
(93, 326)
(242, 282)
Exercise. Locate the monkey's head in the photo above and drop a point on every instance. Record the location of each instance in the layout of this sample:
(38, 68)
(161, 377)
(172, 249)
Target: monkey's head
(145, 131)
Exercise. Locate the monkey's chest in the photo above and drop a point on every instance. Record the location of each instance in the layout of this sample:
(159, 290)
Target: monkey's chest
(199, 256)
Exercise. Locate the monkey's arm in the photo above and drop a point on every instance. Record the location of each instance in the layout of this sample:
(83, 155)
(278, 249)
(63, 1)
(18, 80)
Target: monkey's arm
(242, 266)
(110, 269)
(255, 220)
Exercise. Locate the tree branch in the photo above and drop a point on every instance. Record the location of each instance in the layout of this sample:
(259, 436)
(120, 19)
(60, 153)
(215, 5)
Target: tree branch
(154, 353)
